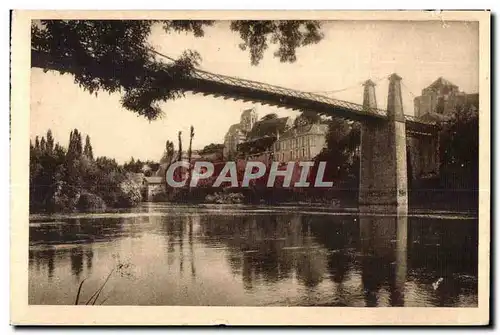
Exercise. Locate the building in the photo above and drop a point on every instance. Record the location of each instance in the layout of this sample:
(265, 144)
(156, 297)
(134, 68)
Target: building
(261, 138)
(303, 142)
(238, 132)
(438, 102)
(153, 186)
(248, 119)
(440, 99)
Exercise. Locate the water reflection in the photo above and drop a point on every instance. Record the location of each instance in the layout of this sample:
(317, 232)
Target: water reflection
(384, 262)
(220, 258)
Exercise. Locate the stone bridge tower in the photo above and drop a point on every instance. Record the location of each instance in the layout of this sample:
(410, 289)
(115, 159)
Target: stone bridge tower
(383, 167)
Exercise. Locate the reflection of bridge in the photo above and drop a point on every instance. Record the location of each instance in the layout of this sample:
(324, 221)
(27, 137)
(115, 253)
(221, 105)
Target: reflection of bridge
(383, 171)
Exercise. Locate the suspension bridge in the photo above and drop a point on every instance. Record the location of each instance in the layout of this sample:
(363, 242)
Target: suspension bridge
(383, 175)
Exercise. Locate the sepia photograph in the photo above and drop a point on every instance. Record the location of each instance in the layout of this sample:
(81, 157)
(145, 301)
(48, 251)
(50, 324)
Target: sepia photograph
(337, 161)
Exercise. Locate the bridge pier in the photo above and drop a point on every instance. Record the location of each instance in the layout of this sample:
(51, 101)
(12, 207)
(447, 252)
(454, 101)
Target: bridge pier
(383, 163)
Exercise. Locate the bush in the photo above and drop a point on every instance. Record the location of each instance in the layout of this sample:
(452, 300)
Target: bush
(130, 193)
(90, 202)
(225, 198)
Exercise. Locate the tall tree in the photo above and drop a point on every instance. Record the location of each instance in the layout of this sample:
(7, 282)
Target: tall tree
(75, 146)
(71, 143)
(179, 154)
(79, 146)
(190, 153)
(87, 150)
(168, 156)
(43, 147)
(96, 52)
(37, 143)
(50, 141)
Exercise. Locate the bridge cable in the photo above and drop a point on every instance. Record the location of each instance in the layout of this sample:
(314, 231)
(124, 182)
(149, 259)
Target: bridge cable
(408, 90)
(360, 83)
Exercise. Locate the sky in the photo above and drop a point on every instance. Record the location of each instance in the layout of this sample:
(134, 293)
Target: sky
(350, 53)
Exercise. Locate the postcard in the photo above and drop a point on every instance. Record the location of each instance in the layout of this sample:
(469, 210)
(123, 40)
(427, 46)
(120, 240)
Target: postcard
(250, 168)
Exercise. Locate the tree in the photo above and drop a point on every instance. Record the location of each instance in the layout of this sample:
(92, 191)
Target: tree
(191, 135)
(269, 116)
(43, 145)
(79, 147)
(75, 145)
(190, 152)
(341, 152)
(50, 141)
(459, 149)
(87, 150)
(96, 52)
(169, 152)
(179, 154)
(61, 180)
(308, 116)
(212, 147)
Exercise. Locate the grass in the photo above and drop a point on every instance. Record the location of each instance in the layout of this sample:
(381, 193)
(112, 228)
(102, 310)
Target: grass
(93, 298)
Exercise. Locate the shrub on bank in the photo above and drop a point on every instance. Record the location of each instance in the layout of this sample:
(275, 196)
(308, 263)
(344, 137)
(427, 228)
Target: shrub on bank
(90, 202)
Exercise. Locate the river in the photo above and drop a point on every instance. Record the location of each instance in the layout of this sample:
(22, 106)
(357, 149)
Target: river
(229, 255)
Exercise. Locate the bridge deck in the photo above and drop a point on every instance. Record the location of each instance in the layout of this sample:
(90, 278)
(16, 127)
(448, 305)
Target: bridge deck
(217, 85)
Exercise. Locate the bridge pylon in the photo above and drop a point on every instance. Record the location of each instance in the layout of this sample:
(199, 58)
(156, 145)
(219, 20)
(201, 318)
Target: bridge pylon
(383, 167)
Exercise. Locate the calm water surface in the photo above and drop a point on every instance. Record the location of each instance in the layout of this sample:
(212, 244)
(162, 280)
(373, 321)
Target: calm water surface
(254, 256)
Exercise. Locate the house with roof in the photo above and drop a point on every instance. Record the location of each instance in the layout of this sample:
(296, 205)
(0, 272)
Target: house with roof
(261, 138)
(302, 142)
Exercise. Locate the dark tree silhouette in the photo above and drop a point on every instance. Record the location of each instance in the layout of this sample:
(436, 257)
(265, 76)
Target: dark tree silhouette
(87, 150)
(50, 141)
(179, 154)
(190, 152)
(270, 116)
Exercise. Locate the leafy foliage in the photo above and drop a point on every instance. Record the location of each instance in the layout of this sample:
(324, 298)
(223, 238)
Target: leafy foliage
(270, 116)
(66, 180)
(307, 117)
(341, 153)
(211, 148)
(289, 35)
(459, 149)
(138, 166)
(114, 55)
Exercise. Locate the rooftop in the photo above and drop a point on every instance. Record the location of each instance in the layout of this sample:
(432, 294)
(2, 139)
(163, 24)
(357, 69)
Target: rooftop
(268, 127)
(441, 82)
(312, 128)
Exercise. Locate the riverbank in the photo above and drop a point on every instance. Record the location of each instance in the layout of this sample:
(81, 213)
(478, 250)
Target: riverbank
(168, 209)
